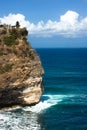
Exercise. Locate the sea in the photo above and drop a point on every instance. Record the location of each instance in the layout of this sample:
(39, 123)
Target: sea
(63, 105)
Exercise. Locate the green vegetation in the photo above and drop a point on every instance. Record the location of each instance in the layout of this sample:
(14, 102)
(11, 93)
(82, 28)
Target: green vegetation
(12, 36)
(10, 40)
(23, 32)
(5, 68)
(31, 56)
(14, 32)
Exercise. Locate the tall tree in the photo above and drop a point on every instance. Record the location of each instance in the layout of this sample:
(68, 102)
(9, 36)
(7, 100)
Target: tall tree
(17, 24)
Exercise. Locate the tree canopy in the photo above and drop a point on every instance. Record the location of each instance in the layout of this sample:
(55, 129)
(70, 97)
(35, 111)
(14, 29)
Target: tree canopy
(17, 24)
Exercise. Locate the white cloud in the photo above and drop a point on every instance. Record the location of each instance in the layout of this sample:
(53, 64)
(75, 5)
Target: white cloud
(69, 25)
(70, 17)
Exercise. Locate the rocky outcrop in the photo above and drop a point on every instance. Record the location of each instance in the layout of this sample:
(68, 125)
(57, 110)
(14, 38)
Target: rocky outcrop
(20, 69)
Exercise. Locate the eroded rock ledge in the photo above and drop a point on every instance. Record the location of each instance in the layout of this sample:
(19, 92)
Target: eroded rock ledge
(20, 69)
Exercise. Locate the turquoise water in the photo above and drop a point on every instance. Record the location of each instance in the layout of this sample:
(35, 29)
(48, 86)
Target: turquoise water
(63, 105)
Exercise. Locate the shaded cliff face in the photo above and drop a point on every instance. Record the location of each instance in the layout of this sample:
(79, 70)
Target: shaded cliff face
(20, 69)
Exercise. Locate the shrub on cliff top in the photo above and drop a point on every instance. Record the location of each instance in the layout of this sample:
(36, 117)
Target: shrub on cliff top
(23, 32)
(14, 32)
(10, 40)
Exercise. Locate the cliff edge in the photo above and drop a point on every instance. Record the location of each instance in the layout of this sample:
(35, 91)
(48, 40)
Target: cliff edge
(20, 68)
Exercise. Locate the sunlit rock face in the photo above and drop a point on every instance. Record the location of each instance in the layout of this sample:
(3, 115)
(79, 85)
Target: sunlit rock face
(20, 69)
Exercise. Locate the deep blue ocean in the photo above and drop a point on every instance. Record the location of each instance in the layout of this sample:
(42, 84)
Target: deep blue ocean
(63, 105)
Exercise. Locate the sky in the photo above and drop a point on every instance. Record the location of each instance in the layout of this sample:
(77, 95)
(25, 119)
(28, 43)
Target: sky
(51, 23)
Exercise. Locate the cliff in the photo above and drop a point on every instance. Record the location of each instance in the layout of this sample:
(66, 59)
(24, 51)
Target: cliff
(20, 69)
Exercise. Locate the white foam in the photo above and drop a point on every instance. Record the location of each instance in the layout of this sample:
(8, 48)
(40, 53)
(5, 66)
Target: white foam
(46, 102)
(2, 116)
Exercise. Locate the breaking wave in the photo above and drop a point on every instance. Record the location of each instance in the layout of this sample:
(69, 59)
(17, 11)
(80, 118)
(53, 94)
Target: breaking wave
(46, 102)
(28, 118)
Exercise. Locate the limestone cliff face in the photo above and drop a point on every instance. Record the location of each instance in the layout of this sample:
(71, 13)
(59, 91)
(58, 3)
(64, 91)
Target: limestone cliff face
(20, 69)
